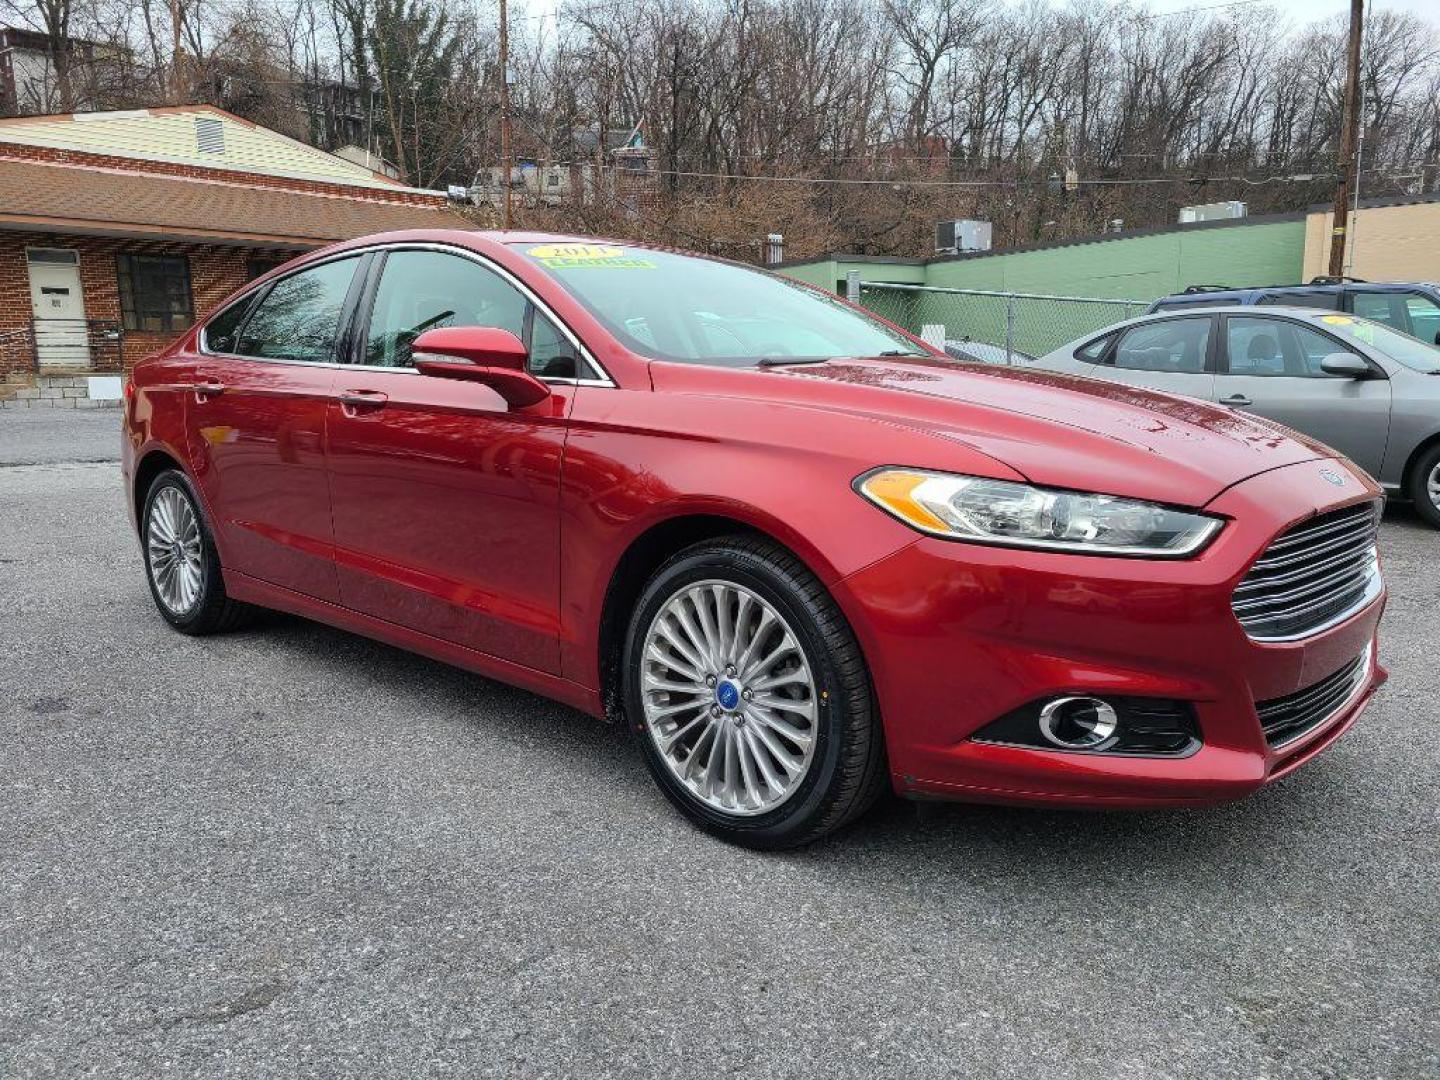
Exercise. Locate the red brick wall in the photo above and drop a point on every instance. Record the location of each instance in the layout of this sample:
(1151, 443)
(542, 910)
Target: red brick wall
(215, 272)
(21, 152)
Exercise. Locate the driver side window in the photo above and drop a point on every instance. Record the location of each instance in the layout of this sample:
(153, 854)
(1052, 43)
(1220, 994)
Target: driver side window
(421, 290)
(1276, 347)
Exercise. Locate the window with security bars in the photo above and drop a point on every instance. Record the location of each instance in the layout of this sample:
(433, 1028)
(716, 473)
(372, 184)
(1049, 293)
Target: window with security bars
(155, 292)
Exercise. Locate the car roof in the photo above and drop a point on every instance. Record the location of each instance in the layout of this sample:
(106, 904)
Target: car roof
(1249, 311)
(1202, 293)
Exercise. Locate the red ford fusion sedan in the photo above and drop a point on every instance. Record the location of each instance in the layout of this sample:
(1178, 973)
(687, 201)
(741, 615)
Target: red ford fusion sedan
(800, 553)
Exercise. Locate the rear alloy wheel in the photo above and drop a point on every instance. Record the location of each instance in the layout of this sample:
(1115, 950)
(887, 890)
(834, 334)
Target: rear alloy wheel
(181, 563)
(749, 696)
(1425, 486)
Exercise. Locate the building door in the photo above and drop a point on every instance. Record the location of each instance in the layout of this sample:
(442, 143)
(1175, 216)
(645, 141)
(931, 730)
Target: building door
(61, 337)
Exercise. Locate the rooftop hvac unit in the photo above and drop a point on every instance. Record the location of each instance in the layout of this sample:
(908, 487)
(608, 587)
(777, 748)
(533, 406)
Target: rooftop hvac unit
(952, 237)
(1215, 211)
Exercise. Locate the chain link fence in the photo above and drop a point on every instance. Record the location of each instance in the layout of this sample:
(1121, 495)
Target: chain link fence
(1027, 323)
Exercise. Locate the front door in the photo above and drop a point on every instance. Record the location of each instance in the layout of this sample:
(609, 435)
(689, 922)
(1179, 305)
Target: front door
(1271, 366)
(61, 338)
(446, 501)
(256, 424)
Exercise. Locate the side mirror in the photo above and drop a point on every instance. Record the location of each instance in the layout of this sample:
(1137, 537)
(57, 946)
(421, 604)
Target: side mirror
(1346, 365)
(480, 354)
(1437, 337)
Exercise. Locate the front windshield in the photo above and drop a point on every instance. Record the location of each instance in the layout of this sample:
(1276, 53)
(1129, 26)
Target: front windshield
(1402, 348)
(700, 311)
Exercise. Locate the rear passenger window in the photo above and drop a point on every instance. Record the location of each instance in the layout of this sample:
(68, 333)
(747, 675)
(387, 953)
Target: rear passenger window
(221, 332)
(1424, 316)
(1175, 345)
(1382, 307)
(299, 319)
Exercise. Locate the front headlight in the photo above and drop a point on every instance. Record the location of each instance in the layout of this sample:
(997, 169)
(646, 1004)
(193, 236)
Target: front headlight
(987, 511)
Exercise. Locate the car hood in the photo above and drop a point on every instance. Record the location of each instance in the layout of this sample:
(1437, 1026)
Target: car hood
(1056, 430)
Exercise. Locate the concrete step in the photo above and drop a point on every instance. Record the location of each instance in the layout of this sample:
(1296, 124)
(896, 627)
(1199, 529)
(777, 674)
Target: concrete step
(60, 391)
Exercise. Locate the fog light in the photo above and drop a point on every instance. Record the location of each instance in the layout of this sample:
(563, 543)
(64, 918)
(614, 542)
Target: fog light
(1078, 723)
(1112, 725)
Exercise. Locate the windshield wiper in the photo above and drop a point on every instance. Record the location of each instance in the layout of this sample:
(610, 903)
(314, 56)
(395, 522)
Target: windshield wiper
(782, 361)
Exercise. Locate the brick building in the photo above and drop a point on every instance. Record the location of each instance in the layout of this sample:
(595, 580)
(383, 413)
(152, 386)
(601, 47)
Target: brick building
(118, 230)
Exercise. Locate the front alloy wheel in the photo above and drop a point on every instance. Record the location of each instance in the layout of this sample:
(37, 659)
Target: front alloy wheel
(749, 696)
(729, 698)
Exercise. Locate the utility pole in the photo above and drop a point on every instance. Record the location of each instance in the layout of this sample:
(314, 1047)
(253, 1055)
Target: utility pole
(177, 85)
(1349, 126)
(505, 111)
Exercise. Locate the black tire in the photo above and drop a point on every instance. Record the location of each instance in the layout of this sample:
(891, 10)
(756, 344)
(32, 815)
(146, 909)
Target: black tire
(212, 611)
(1425, 504)
(847, 770)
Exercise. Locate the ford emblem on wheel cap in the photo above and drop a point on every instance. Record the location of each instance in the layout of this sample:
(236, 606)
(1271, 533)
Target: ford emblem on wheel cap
(1333, 477)
(728, 695)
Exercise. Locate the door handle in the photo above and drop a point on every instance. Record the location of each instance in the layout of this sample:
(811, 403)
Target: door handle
(1236, 401)
(352, 401)
(208, 389)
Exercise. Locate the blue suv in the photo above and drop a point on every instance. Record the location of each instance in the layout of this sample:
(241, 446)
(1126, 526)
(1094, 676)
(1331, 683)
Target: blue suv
(1412, 309)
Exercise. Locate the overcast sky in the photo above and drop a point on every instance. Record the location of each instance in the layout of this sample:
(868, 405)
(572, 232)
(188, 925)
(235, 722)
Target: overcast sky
(1305, 11)
(1299, 12)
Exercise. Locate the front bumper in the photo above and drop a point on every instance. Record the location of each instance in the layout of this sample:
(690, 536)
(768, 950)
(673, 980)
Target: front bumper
(959, 634)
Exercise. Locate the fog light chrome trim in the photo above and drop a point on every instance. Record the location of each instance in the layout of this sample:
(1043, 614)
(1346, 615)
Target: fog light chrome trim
(1099, 732)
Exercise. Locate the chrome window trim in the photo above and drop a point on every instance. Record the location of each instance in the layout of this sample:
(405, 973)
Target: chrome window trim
(604, 379)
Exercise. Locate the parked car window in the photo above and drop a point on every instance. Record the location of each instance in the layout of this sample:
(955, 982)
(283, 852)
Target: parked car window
(551, 354)
(299, 319)
(1387, 308)
(221, 332)
(1326, 301)
(1259, 346)
(422, 290)
(1094, 352)
(1424, 316)
(1176, 345)
(703, 311)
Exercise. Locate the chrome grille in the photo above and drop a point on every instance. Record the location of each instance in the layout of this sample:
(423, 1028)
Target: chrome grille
(1312, 576)
(1285, 719)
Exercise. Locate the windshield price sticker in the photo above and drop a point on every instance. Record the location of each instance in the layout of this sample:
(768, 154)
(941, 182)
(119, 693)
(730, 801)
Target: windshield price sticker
(587, 256)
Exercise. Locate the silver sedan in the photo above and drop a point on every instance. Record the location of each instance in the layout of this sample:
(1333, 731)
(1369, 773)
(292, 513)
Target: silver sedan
(1369, 391)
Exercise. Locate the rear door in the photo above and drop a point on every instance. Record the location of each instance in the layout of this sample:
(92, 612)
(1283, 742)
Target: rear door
(256, 425)
(1173, 355)
(1270, 366)
(445, 500)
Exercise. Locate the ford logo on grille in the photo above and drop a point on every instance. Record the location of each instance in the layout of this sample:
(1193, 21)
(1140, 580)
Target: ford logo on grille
(1333, 477)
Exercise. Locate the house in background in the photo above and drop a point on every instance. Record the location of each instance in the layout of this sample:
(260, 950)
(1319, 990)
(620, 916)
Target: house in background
(119, 229)
(621, 170)
(30, 77)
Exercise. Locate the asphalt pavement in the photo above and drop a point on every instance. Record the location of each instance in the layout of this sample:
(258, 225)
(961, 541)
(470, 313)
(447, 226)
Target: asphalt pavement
(292, 852)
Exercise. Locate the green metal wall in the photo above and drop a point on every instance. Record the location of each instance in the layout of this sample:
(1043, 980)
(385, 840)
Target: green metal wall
(1128, 267)
(1136, 268)
(1139, 267)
